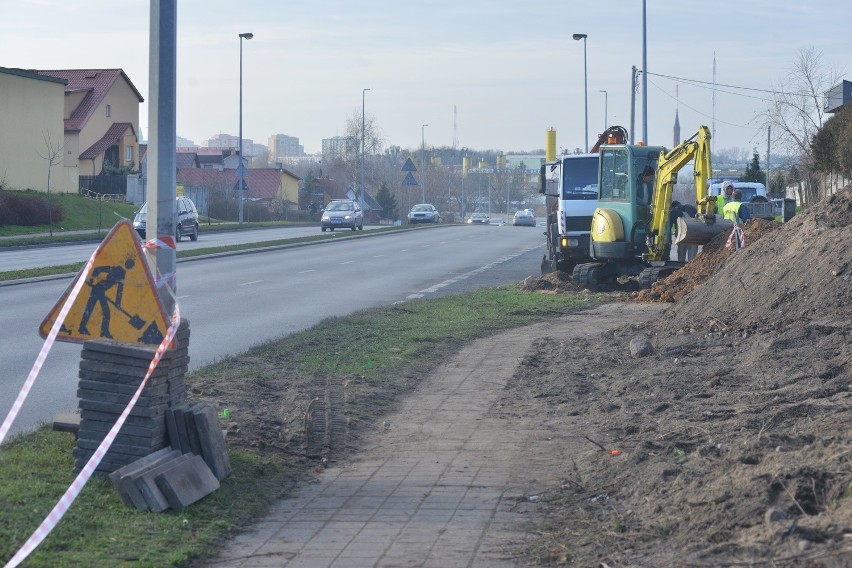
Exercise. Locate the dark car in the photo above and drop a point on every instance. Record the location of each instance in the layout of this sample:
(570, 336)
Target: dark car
(342, 214)
(424, 213)
(524, 217)
(186, 216)
(478, 219)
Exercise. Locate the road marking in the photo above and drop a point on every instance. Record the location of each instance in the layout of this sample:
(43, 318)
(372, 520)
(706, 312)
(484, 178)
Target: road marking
(306, 271)
(182, 297)
(378, 255)
(445, 283)
(252, 282)
(347, 262)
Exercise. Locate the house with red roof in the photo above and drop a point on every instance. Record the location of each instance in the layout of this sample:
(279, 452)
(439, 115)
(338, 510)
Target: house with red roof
(101, 123)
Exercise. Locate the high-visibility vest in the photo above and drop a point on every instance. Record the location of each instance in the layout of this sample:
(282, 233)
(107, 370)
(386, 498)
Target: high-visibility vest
(732, 211)
(720, 203)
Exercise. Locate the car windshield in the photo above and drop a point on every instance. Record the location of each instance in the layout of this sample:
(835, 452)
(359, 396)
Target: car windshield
(422, 208)
(339, 206)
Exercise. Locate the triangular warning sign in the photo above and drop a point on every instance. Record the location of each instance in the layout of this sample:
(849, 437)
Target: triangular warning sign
(409, 166)
(118, 299)
(409, 179)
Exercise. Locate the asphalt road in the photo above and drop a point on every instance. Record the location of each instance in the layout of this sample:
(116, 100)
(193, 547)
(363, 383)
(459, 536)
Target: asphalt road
(238, 301)
(21, 258)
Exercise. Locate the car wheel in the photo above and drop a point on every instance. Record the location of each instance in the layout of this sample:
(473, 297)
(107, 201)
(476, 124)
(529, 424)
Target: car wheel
(177, 234)
(322, 229)
(361, 226)
(331, 229)
(194, 235)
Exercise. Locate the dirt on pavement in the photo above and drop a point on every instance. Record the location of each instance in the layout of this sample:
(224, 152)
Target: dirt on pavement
(716, 435)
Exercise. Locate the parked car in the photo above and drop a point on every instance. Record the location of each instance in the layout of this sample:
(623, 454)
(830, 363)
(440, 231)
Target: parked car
(342, 214)
(424, 213)
(524, 217)
(186, 217)
(478, 219)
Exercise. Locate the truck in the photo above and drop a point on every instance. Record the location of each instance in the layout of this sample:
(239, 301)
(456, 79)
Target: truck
(754, 194)
(570, 187)
(630, 235)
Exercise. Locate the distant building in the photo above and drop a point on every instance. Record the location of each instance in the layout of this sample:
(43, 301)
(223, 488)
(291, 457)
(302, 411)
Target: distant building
(676, 132)
(837, 97)
(343, 147)
(283, 146)
(221, 140)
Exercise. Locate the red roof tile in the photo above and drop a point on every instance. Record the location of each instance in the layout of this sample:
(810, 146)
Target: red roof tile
(115, 132)
(97, 82)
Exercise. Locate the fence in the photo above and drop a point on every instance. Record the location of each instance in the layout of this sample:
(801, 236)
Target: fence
(103, 185)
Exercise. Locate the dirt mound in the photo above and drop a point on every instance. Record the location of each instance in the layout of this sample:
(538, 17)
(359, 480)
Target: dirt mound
(554, 282)
(801, 273)
(733, 437)
(705, 264)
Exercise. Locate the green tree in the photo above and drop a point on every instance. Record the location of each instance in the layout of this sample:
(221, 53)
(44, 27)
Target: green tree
(832, 145)
(388, 202)
(753, 172)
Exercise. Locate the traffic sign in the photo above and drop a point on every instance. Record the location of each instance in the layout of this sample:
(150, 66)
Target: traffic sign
(409, 180)
(409, 166)
(118, 299)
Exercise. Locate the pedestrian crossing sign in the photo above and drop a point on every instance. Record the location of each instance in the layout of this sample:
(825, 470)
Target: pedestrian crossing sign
(118, 299)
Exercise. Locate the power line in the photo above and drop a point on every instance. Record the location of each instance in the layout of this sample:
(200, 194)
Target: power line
(729, 86)
(680, 101)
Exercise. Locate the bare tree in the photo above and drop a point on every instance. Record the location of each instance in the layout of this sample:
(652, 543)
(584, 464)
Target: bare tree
(52, 152)
(371, 135)
(796, 113)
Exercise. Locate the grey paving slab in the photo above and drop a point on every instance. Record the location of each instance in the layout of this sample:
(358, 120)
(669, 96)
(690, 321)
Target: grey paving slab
(436, 488)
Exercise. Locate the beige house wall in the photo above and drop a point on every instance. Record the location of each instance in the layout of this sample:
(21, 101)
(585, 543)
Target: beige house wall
(290, 188)
(30, 112)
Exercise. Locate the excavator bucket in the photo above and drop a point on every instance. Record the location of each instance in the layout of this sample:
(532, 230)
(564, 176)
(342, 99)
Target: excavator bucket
(700, 231)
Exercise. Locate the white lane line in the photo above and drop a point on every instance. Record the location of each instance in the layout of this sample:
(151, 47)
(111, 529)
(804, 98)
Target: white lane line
(378, 255)
(306, 271)
(182, 297)
(252, 282)
(445, 283)
(347, 262)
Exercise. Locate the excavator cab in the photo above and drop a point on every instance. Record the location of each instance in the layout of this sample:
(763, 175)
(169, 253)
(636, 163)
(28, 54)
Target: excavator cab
(621, 224)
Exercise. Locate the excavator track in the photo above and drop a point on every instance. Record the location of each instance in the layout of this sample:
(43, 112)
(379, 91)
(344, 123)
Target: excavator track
(590, 275)
(653, 273)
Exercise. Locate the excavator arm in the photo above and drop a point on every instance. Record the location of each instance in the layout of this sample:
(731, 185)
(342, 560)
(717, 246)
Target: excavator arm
(697, 149)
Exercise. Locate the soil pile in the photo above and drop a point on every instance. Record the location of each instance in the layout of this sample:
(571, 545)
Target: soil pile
(704, 265)
(732, 438)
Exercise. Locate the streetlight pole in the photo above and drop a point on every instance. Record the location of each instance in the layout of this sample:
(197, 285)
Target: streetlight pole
(644, 75)
(363, 137)
(423, 161)
(241, 168)
(606, 103)
(583, 37)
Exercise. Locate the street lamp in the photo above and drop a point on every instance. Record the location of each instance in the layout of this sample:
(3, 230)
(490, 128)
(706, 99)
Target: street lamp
(241, 170)
(644, 75)
(363, 137)
(606, 102)
(579, 37)
(422, 161)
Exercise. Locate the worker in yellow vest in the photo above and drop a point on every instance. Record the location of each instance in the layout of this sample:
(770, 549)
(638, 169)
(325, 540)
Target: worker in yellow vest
(734, 211)
(724, 196)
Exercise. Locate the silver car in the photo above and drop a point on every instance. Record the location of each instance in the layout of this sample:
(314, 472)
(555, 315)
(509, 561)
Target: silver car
(342, 214)
(424, 213)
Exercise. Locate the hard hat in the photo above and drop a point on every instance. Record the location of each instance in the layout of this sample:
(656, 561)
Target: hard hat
(727, 187)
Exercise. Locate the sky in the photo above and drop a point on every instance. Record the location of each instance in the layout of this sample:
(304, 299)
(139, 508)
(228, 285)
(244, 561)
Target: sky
(482, 74)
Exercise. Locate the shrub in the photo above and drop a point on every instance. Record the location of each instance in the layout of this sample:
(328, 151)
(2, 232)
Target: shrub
(28, 210)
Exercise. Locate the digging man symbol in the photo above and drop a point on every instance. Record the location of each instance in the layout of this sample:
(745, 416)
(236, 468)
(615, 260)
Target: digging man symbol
(113, 277)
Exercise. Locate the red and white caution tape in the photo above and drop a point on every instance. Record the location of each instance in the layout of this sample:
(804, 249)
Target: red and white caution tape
(737, 234)
(45, 348)
(82, 478)
(168, 279)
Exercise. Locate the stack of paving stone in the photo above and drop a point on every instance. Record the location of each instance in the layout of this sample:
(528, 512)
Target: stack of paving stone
(110, 373)
(180, 475)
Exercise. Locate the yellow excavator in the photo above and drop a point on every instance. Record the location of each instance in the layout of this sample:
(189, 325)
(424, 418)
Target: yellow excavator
(630, 235)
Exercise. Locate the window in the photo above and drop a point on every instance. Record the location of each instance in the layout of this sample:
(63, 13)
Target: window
(108, 111)
(128, 154)
(614, 175)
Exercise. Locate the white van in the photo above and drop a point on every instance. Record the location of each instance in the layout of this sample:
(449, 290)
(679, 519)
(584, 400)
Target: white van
(755, 195)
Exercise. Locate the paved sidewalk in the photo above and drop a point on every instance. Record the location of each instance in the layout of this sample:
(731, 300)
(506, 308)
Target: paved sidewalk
(439, 484)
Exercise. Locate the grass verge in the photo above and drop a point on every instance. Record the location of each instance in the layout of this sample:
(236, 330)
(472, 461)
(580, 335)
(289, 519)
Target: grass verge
(380, 345)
